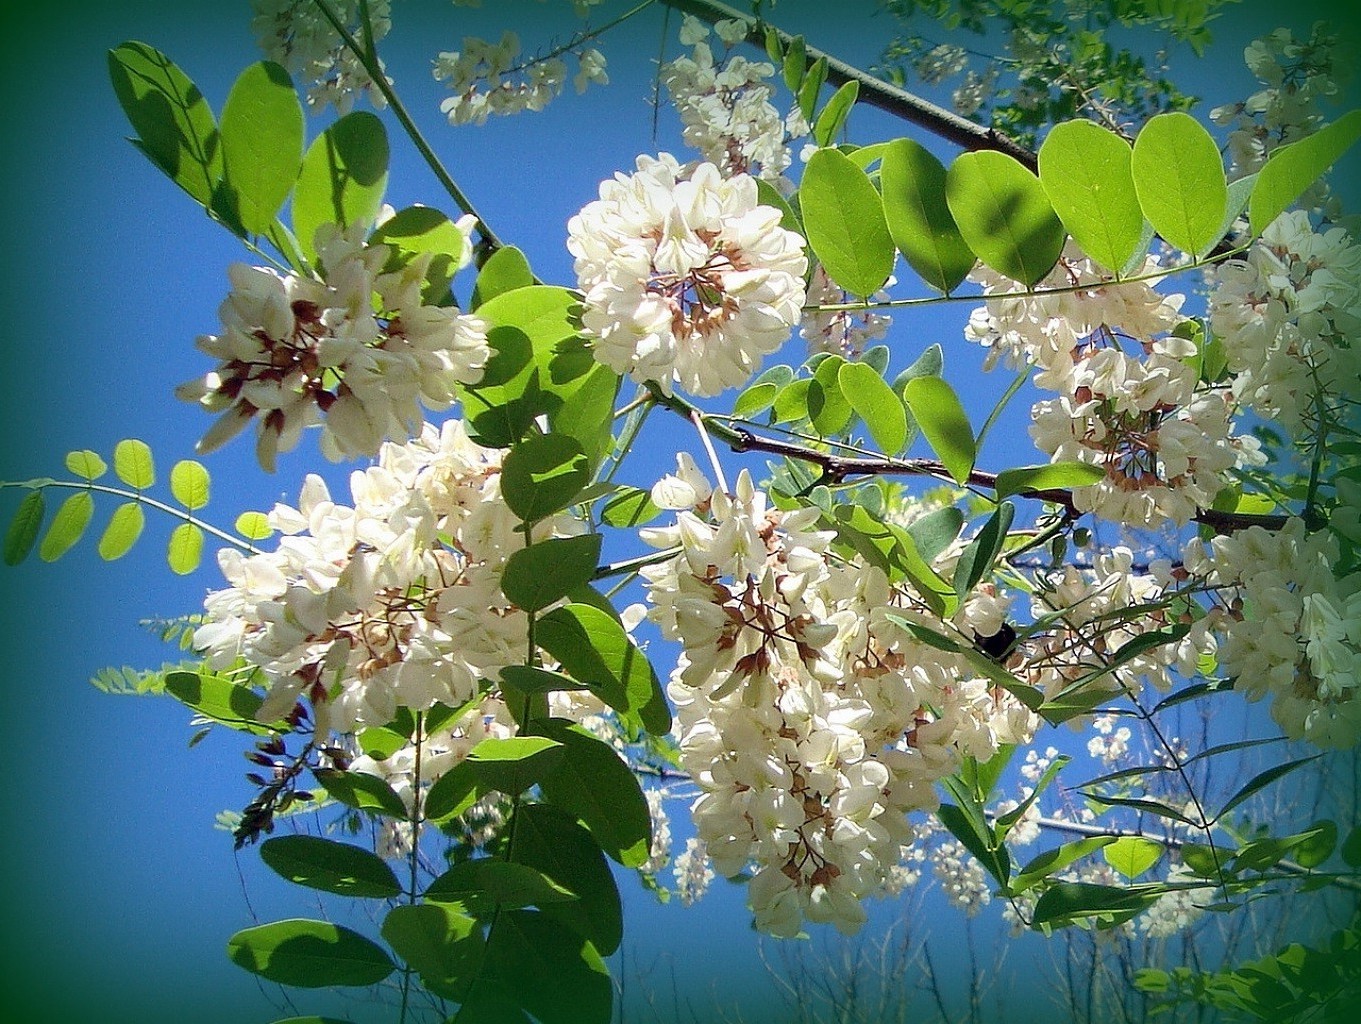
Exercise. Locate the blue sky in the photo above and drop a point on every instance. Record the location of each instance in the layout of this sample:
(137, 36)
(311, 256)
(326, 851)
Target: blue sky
(120, 893)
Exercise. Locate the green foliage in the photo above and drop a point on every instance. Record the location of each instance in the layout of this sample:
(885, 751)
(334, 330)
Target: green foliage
(24, 528)
(133, 463)
(1028, 479)
(125, 526)
(505, 270)
(309, 954)
(185, 549)
(343, 177)
(976, 561)
(189, 483)
(542, 475)
(844, 220)
(68, 526)
(415, 232)
(1085, 171)
(489, 885)
(943, 421)
(363, 792)
(330, 866)
(537, 576)
(86, 464)
(1179, 178)
(262, 139)
(1004, 215)
(218, 699)
(1132, 855)
(833, 116)
(1292, 169)
(875, 403)
(913, 183)
(442, 944)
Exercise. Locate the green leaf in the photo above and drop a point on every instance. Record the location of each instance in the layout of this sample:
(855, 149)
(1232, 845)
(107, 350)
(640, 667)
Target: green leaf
(309, 954)
(586, 412)
(133, 463)
(1132, 855)
(936, 531)
(1045, 864)
(1351, 848)
(254, 526)
(68, 526)
(791, 404)
(545, 572)
(592, 646)
(795, 64)
(189, 483)
(844, 220)
(892, 549)
(549, 970)
(811, 86)
(828, 407)
(262, 139)
(768, 195)
(591, 781)
(416, 231)
(86, 464)
(632, 507)
(363, 792)
(445, 947)
(343, 177)
(1004, 215)
(1320, 839)
(552, 842)
(1085, 171)
(875, 403)
(1065, 902)
(913, 182)
(1261, 781)
(121, 534)
(1055, 475)
(1179, 178)
(976, 560)
(1205, 861)
(1291, 170)
(330, 866)
(542, 474)
(175, 125)
(528, 679)
(514, 764)
(24, 527)
(833, 116)
(971, 830)
(505, 270)
(219, 699)
(185, 549)
(484, 887)
(942, 420)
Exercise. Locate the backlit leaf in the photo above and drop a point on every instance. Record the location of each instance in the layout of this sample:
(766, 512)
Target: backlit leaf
(1004, 215)
(844, 221)
(309, 954)
(1179, 178)
(913, 183)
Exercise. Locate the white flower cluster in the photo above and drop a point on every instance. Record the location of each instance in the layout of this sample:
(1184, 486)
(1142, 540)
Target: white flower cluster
(686, 277)
(297, 35)
(489, 79)
(973, 92)
(659, 853)
(297, 352)
(809, 719)
(1289, 313)
(392, 602)
(1298, 75)
(1176, 912)
(1292, 629)
(692, 871)
(846, 333)
(726, 106)
(942, 61)
(1164, 441)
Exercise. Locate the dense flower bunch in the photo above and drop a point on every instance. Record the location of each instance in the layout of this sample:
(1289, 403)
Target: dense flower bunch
(842, 332)
(686, 277)
(1288, 313)
(297, 35)
(810, 718)
(392, 602)
(488, 79)
(300, 351)
(726, 106)
(1292, 629)
(1164, 440)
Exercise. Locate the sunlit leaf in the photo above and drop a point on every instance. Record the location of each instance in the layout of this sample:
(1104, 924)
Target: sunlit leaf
(844, 221)
(121, 534)
(1179, 178)
(133, 463)
(68, 526)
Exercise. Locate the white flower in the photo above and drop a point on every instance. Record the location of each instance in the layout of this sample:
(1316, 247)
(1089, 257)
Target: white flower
(686, 278)
(296, 34)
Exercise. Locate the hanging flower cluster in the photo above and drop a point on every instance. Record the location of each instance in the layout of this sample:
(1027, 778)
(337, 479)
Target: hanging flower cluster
(298, 36)
(488, 79)
(810, 719)
(1164, 439)
(354, 350)
(725, 106)
(394, 601)
(843, 332)
(686, 277)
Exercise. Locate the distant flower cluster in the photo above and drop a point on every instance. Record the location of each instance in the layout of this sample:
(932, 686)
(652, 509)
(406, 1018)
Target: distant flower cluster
(297, 35)
(488, 79)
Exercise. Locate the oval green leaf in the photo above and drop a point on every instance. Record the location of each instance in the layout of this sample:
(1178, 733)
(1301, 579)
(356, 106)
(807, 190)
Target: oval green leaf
(343, 177)
(551, 841)
(1004, 215)
(1179, 178)
(844, 220)
(943, 422)
(68, 526)
(24, 527)
(1085, 171)
(548, 571)
(189, 483)
(1290, 170)
(309, 954)
(913, 182)
(133, 463)
(363, 792)
(262, 139)
(542, 474)
(122, 532)
(86, 464)
(254, 526)
(875, 403)
(330, 866)
(418, 230)
(505, 270)
(490, 884)
(1132, 855)
(185, 550)
(833, 117)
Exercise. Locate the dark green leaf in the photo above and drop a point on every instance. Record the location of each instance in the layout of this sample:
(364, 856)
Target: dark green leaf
(1320, 839)
(309, 954)
(343, 177)
(1045, 864)
(913, 182)
(262, 140)
(1004, 215)
(545, 572)
(936, 531)
(1291, 169)
(977, 559)
(24, 527)
(330, 866)
(972, 831)
(1351, 848)
(811, 86)
(542, 474)
(844, 221)
(553, 842)
(1065, 902)
(1261, 781)
(514, 764)
(363, 792)
(444, 946)
(1179, 178)
(488, 885)
(553, 972)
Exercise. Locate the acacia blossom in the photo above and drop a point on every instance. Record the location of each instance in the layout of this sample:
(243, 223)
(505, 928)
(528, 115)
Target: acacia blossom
(687, 278)
(490, 79)
(297, 35)
(354, 350)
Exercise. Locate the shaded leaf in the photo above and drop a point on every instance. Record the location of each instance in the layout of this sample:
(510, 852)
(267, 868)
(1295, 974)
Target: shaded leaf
(552, 841)
(941, 417)
(1004, 215)
(542, 474)
(24, 528)
(537, 576)
(488, 885)
(309, 954)
(330, 866)
(343, 177)
(1291, 170)
(363, 792)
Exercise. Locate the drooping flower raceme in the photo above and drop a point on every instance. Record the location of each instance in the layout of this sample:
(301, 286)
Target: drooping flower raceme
(488, 79)
(810, 718)
(297, 35)
(687, 278)
(393, 601)
(297, 351)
